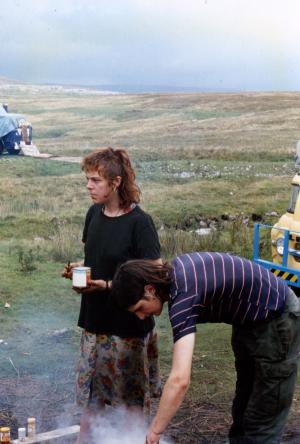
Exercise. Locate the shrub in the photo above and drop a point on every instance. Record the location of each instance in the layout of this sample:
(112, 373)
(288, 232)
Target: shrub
(234, 237)
(27, 260)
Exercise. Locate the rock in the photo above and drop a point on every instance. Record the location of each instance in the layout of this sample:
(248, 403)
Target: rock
(203, 231)
(256, 217)
(186, 174)
(272, 214)
(203, 224)
(60, 335)
(225, 216)
(60, 332)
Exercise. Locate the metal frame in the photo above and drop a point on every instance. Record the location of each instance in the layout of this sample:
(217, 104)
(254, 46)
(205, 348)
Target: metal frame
(286, 251)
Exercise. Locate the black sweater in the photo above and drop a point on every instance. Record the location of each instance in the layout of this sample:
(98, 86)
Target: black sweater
(110, 241)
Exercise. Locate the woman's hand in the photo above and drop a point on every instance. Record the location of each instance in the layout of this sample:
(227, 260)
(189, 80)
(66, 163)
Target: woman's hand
(93, 285)
(67, 272)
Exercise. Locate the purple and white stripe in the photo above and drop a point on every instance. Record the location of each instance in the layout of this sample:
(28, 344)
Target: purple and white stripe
(219, 287)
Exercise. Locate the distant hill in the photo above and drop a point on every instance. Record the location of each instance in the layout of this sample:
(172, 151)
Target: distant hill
(5, 80)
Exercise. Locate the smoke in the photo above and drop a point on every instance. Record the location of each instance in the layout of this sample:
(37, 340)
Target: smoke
(119, 425)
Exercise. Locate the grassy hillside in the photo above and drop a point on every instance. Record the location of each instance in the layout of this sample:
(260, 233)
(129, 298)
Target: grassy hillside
(217, 160)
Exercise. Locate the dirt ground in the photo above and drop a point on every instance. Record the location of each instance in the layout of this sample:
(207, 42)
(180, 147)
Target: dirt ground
(200, 423)
(52, 403)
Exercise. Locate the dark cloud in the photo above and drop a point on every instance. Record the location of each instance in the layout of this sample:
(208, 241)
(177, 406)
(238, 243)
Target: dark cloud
(233, 43)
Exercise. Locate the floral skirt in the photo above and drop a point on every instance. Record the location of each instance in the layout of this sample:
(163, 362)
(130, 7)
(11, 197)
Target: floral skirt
(118, 371)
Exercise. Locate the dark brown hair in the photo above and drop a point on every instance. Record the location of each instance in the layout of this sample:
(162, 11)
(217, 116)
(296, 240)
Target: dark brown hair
(132, 276)
(110, 163)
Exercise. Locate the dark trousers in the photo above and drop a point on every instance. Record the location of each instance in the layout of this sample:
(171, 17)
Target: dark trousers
(266, 355)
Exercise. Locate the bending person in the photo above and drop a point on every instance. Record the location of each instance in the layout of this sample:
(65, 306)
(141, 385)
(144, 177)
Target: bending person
(265, 317)
(119, 354)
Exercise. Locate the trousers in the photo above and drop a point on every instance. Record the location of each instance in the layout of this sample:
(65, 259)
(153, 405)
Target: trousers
(266, 358)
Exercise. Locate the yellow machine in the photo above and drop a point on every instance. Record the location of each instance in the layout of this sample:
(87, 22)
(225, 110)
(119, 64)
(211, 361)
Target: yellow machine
(288, 221)
(285, 236)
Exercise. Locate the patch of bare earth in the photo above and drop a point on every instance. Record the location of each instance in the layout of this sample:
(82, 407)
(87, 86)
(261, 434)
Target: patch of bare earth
(51, 401)
(206, 423)
(197, 422)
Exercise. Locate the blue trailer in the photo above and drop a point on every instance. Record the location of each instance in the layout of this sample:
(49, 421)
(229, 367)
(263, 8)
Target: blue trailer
(288, 250)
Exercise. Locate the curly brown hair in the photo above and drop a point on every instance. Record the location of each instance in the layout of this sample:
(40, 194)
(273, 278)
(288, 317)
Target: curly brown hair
(110, 163)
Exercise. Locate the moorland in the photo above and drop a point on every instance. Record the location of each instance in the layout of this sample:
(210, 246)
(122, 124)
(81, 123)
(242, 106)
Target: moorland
(215, 161)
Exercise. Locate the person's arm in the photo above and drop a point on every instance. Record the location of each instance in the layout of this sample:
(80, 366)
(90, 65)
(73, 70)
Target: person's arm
(94, 285)
(175, 388)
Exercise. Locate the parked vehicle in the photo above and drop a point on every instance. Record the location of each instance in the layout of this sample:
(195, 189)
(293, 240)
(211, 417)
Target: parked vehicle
(15, 131)
(285, 237)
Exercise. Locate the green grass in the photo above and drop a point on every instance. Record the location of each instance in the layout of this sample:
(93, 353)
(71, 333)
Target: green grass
(212, 356)
(40, 303)
(198, 157)
(26, 167)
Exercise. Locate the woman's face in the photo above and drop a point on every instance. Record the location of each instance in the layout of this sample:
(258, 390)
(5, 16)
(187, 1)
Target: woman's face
(99, 188)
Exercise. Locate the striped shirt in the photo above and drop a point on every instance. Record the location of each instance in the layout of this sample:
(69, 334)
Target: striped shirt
(219, 287)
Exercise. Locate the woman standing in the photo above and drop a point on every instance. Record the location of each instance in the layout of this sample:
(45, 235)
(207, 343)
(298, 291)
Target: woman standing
(119, 354)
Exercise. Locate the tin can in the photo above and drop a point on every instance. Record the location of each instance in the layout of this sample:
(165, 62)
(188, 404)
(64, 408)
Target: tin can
(4, 435)
(31, 427)
(22, 434)
(81, 276)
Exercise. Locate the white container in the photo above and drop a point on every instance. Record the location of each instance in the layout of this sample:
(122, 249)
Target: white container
(21, 434)
(81, 276)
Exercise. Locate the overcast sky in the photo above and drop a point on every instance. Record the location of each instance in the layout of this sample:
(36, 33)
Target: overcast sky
(203, 44)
